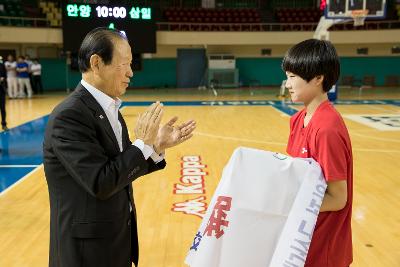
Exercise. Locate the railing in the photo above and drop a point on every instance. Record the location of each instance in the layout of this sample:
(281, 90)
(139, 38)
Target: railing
(294, 3)
(24, 22)
(179, 26)
(368, 25)
(198, 3)
(185, 26)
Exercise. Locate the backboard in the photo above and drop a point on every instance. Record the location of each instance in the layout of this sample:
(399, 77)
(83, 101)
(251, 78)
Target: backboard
(342, 9)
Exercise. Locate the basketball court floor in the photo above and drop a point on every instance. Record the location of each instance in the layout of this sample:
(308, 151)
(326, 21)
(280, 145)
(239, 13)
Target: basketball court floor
(169, 210)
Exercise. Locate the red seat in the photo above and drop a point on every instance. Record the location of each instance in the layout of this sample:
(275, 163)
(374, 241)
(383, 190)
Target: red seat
(215, 17)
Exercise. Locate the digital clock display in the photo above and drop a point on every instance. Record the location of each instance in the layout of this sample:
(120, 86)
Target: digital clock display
(116, 12)
(85, 11)
(136, 21)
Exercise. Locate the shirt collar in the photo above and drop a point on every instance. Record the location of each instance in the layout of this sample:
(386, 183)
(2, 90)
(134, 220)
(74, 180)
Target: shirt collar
(104, 100)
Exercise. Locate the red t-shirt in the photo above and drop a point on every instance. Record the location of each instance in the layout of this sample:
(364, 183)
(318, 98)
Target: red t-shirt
(326, 140)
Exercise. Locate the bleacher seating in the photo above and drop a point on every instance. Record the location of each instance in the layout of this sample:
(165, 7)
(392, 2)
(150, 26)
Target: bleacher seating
(216, 18)
(298, 19)
(17, 9)
(297, 15)
(52, 12)
(23, 13)
(200, 15)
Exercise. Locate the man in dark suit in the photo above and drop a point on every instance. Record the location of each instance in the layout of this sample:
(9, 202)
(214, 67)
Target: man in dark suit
(3, 78)
(90, 162)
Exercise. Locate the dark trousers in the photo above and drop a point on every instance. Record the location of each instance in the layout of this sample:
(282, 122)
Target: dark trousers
(3, 105)
(37, 84)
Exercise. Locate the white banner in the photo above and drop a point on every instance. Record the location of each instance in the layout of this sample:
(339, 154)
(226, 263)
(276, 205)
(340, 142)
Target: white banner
(262, 214)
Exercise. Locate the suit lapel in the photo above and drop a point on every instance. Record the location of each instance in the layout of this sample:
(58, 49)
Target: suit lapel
(98, 112)
(125, 143)
(125, 134)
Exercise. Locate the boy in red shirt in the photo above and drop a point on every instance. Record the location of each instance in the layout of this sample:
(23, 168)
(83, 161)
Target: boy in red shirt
(319, 132)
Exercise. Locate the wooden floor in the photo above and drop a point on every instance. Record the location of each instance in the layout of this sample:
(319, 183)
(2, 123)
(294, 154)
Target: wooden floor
(166, 235)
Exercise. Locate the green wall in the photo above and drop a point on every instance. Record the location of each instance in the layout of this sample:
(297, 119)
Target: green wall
(155, 73)
(55, 73)
(376, 66)
(268, 71)
(158, 73)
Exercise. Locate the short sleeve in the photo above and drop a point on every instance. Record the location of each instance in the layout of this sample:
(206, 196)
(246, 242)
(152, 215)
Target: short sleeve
(292, 122)
(332, 154)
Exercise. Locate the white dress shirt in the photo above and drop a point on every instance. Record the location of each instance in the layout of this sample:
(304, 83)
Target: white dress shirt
(11, 72)
(111, 107)
(36, 69)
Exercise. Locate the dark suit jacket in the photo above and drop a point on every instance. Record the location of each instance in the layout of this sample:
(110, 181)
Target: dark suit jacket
(3, 74)
(89, 182)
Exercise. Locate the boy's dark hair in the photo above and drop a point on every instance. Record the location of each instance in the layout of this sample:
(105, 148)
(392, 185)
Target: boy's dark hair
(100, 42)
(311, 58)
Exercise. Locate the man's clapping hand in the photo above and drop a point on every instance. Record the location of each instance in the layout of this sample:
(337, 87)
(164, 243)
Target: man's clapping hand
(171, 135)
(148, 124)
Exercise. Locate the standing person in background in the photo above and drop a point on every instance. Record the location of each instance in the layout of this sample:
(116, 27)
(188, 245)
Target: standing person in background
(29, 62)
(3, 77)
(36, 69)
(23, 77)
(12, 85)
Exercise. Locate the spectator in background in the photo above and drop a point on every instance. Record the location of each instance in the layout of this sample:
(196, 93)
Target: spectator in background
(3, 77)
(29, 61)
(23, 77)
(12, 85)
(36, 70)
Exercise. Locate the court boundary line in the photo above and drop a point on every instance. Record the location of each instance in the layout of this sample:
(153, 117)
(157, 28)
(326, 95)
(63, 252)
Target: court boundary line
(23, 178)
(19, 166)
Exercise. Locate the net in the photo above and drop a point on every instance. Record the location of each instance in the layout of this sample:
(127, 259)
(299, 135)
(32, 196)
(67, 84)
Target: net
(359, 16)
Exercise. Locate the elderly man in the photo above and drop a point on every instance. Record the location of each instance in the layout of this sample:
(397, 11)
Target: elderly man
(90, 162)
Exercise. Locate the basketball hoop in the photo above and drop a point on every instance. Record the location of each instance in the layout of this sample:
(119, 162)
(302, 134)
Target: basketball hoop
(359, 16)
